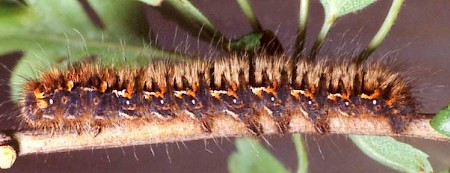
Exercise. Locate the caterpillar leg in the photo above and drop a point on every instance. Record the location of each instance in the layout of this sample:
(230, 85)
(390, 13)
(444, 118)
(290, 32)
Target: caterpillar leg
(322, 126)
(399, 122)
(312, 110)
(254, 127)
(283, 125)
(206, 124)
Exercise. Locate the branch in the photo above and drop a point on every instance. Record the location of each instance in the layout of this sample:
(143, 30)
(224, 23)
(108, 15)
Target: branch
(184, 129)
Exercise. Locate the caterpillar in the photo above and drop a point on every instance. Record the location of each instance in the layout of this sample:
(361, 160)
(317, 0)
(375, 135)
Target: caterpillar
(90, 97)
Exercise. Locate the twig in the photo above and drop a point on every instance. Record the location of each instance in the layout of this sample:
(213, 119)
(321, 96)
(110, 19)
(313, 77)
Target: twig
(7, 153)
(183, 129)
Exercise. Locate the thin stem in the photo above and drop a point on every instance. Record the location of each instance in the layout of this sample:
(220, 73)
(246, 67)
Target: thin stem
(251, 17)
(330, 18)
(382, 32)
(302, 154)
(302, 25)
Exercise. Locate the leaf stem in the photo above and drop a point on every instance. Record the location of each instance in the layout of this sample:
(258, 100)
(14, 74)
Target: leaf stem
(329, 20)
(302, 154)
(382, 32)
(248, 11)
(302, 26)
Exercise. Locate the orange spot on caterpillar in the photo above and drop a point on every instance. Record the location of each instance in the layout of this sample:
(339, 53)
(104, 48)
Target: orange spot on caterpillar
(234, 86)
(391, 102)
(128, 92)
(69, 85)
(38, 94)
(309, 93)
(103, 86)
(161, 93)
(374, 95)
(347, 94)
(193, 91)
(232, 90)
(272, 89)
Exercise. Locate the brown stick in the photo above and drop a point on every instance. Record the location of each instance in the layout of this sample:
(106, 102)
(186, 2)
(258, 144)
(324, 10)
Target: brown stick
(180, 129)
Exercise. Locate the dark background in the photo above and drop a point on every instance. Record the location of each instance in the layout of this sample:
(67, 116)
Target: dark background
(420, 38)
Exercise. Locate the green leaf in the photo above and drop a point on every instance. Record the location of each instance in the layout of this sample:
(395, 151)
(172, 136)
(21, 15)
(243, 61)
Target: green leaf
(339, 8)
(251, 156)
(51, 32)
(392, 153)
(441, 122)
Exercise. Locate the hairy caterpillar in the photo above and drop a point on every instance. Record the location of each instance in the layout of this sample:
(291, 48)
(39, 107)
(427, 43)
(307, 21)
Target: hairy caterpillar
(90, 97)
